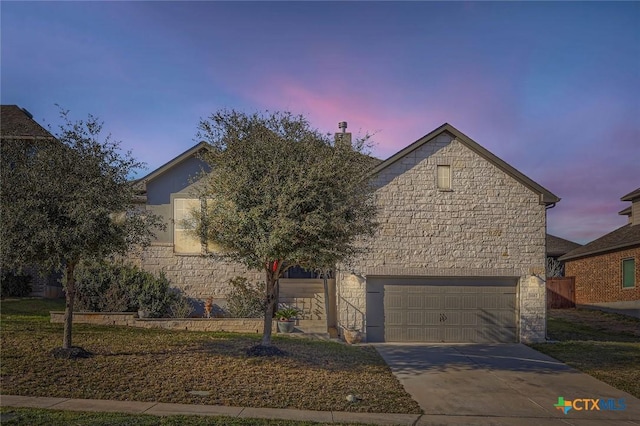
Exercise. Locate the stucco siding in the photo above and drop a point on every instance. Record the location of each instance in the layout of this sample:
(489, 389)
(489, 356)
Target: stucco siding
(489, 224)
(159, 189)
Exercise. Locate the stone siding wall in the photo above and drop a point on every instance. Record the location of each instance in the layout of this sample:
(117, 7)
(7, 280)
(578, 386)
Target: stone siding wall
(199, 277)
(599, 278)
(488, 224)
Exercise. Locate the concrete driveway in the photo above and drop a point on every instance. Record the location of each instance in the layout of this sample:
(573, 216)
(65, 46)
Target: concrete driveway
(501, 384)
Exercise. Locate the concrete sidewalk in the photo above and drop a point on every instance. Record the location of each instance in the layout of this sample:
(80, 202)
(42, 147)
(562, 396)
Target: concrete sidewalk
(323, 417)
(165, 409)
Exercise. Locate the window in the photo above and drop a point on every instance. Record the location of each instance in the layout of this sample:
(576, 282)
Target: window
(183, 241)
(628, 273)
(444, 177)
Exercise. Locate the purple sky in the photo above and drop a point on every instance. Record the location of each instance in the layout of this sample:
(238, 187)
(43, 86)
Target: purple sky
(551, 88)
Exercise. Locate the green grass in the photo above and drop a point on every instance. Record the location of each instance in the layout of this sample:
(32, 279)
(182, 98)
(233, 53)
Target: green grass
(41, 417)
(605, 346)
(30, 309)
(164, 366)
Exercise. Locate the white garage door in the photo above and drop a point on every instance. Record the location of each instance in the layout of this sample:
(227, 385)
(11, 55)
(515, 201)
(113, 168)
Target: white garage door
(403, 309)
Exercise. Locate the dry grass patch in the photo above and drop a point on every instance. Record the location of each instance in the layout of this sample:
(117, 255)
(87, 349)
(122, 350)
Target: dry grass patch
(603, 345)
(165, 366)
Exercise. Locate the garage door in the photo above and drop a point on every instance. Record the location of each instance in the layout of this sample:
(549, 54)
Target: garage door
(441, 310)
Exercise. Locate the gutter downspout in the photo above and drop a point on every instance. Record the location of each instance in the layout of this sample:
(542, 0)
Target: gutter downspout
(546, 329)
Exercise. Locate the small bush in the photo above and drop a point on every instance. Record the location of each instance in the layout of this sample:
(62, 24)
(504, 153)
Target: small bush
(15, 285)
(103, 287)
(152, 293)
(245, 299)
(180, 307)
(108, 287)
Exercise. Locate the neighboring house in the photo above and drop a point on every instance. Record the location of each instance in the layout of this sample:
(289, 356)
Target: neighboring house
(606, 270)
(18, 124)
(557, 247)
(459, 255)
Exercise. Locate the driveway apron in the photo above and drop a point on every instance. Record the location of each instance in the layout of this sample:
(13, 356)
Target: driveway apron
(510, 381)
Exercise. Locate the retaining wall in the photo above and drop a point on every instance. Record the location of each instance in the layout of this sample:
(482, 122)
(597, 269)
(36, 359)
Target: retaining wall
(235, 325)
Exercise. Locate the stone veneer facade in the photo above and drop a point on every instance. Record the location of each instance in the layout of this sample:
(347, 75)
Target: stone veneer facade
(199, 277)
(488, 224)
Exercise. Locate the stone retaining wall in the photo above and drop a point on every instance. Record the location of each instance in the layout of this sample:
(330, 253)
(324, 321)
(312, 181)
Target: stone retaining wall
(235, 325)
(97, 318)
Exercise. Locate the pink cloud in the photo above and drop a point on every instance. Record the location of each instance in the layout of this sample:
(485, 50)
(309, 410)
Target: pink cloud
(325, 107)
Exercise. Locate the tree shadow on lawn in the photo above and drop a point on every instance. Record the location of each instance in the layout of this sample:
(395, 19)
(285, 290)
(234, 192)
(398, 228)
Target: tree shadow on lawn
(299, 353)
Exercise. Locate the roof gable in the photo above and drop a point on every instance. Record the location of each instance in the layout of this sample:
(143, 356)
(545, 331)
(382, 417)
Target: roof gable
(546, 196)
(622, 238)
(17, 123)
(557, 246)
(191, 152)
(633, 195)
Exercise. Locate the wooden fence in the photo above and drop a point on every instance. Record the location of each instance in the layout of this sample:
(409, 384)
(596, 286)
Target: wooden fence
(561, 293)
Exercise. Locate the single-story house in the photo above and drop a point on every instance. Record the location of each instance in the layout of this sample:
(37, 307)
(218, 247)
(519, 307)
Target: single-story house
(557, 247)
(607, 269)
(459, 255)
(17, 124)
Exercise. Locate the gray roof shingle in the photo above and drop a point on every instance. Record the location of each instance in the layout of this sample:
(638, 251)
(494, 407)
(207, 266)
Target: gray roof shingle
(624, 237)
(557, 246)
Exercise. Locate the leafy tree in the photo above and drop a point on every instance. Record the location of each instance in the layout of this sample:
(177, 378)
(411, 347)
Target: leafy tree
(69, 199)
(281, 194)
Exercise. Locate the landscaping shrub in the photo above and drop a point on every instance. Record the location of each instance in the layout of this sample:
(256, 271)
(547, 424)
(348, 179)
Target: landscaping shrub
(152, 293)
(15, 285)
(103, 287)
(245, 299)
(180, 307)
(109, 287)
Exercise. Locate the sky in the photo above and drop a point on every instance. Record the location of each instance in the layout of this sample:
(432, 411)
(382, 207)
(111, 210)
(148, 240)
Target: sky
(551, 88)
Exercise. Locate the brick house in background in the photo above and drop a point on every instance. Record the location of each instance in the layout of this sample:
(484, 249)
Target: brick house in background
(606, 270)
(459, 255)
(557, 247)
(17, 124)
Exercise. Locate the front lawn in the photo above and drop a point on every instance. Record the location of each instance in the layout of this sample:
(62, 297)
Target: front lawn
(605, 346)
(165, 366)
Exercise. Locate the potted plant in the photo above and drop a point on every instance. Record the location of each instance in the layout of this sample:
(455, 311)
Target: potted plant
(208, 307)
(285, 319)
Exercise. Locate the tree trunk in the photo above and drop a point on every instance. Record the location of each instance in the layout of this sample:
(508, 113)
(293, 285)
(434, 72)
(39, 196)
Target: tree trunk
(270, 308)
(70, 298)
(325, 283)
